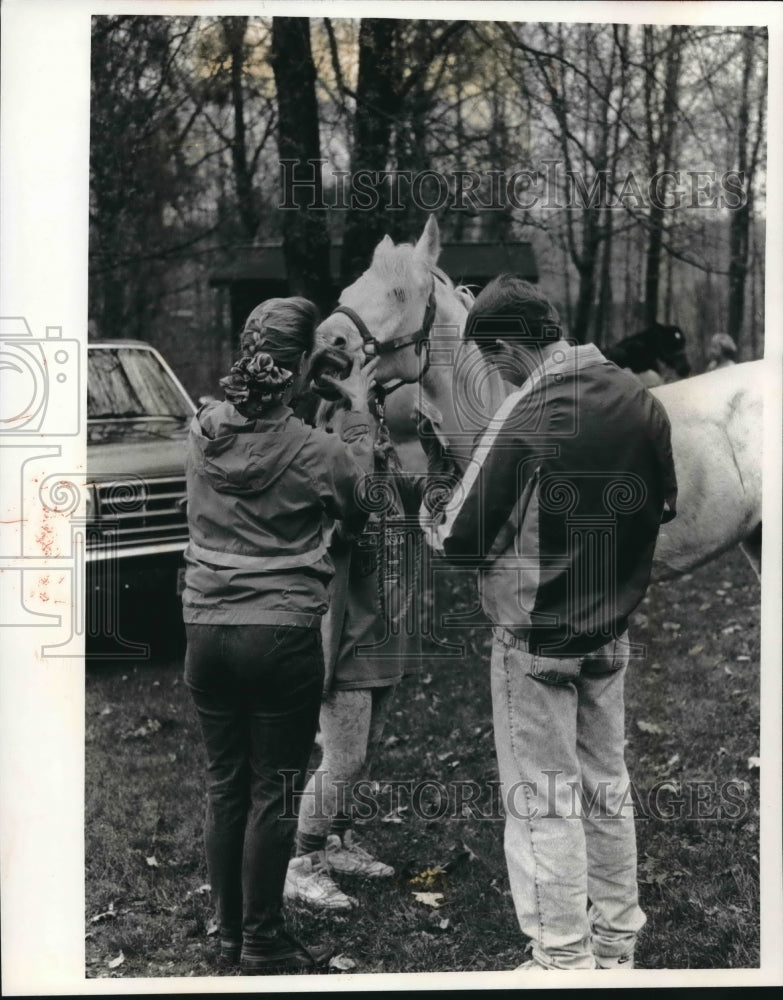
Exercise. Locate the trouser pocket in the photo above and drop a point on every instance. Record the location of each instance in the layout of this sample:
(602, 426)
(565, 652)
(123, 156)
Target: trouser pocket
(555, 669)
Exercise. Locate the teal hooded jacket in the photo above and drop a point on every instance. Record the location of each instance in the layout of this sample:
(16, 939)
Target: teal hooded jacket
(263, 496)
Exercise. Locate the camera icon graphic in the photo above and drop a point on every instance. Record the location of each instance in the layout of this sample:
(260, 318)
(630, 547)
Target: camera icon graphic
(40, 381)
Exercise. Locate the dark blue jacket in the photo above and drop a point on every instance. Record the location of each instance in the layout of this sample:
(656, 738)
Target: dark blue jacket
(562, 503)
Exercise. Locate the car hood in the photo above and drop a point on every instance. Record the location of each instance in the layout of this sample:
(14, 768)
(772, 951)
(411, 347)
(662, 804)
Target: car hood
(134, 448)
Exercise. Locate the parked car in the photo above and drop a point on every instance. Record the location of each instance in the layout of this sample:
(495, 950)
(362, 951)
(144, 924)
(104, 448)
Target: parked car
(138, 414)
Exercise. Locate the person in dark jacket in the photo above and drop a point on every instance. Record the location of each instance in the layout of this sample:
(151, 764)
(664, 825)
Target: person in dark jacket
(561, 507)
(263, 491)
(371, 641)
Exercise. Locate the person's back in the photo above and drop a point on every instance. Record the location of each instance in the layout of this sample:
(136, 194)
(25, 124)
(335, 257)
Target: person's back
(589, 443)
(260, 492)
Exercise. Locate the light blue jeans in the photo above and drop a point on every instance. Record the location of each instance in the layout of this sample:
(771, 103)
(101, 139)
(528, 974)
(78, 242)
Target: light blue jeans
(569, 832)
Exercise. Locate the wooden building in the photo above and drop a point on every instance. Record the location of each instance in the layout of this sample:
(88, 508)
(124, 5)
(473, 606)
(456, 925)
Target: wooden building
(259, 272)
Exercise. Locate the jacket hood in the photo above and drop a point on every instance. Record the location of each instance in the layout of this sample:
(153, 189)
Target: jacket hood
(238, 455)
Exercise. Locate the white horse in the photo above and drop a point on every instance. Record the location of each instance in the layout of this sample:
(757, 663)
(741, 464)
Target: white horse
(406, 310)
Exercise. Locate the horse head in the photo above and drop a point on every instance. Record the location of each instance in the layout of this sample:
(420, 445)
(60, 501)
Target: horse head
(390, 310)
(670, 347)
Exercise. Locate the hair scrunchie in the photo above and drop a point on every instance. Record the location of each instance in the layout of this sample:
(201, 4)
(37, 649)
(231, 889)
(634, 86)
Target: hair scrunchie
(254, 382)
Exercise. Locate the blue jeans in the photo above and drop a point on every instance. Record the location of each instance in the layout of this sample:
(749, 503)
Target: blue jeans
(569, 831)
(257, 690)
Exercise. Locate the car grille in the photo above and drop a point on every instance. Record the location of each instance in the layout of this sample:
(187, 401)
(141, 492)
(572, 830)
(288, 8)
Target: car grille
(134, 513)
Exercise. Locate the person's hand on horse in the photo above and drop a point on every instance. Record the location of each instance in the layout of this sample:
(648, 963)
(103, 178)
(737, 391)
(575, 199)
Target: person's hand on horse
(357, 385)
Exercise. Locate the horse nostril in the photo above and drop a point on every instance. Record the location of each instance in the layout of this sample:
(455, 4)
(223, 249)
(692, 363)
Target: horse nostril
(339, 341)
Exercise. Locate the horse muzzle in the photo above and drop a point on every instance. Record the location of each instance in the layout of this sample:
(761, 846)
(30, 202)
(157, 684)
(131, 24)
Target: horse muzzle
(327, 365)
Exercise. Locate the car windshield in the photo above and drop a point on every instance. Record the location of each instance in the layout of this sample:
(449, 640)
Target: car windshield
(130, 382)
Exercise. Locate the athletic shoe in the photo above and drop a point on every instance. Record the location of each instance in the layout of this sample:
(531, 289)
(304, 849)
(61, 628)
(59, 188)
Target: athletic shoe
(284, 955)
(228, 956)
(617, 962)
(308, 882)
(350, 859)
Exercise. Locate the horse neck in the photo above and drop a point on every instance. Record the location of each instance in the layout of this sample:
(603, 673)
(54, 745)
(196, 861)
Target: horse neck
(447, 387)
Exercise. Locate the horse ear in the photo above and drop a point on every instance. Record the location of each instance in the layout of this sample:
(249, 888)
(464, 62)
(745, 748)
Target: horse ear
(385, 244)
(428, 246)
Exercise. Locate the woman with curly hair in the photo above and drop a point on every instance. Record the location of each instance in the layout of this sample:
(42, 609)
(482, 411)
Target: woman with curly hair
(262, 489)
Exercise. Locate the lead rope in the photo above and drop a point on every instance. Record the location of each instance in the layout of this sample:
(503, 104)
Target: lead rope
(381, 462)
(386, 462)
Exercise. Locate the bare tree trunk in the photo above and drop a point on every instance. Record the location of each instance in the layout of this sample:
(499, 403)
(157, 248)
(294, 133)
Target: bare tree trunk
(660, 154)
(603, 317)
(741, 218)
(305, 236)
(234, 29)
(377, 107)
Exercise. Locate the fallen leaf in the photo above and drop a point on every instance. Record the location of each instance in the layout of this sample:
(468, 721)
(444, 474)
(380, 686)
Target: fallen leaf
(105, 915)
(743, 659)
(648, 727)
(444, 924)
(433, 899)
(392, 817)
(695, 650)
(467, 851)
(342, 962)
(754, 762)
(390, 742)
(152, 861)
(107, 710)
(445, 755)
(428, 876)
(202, 889)
(147, 729)
(115, 963)
(671, 626)
(705, 607)
(212, 927)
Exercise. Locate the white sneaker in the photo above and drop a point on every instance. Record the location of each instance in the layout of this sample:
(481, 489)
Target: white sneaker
(617, 962)
(307, 882)
(350, 859)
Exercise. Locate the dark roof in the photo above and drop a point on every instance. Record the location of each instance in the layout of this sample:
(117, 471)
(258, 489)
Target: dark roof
(461, 261)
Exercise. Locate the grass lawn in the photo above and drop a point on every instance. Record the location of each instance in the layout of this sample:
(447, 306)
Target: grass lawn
(692, 725)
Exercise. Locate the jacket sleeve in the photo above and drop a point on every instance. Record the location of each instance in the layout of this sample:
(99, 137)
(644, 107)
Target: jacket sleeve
(661, 430)
(343, 467)
(502, 466)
